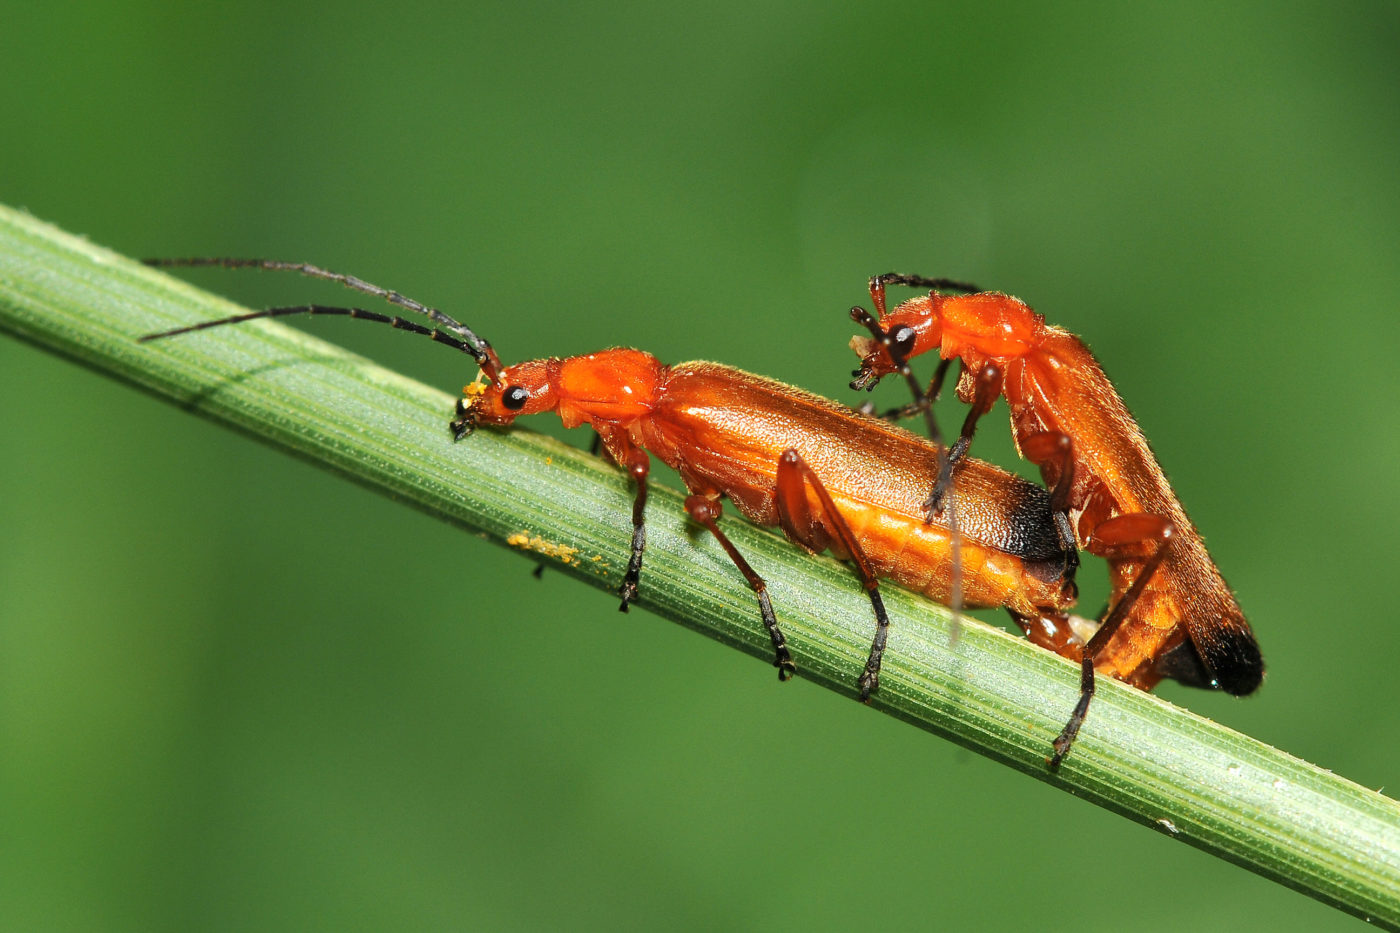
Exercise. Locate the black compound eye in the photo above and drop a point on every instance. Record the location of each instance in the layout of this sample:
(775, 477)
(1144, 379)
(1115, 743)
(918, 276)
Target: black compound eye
(514, 398)
(903, 340)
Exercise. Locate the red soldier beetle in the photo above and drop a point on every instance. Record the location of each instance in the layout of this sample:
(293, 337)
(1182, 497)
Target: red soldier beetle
(829, 477)
(1173, 615)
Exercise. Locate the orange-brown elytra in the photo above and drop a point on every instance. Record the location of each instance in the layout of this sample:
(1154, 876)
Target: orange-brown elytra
(830, 478)
(1173, 615)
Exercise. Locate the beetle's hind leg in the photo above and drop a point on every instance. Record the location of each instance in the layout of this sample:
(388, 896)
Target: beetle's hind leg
(1122, 530)
(818, 529)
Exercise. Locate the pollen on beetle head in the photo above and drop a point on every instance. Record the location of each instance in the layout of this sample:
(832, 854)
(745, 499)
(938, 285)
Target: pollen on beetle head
(477, 388)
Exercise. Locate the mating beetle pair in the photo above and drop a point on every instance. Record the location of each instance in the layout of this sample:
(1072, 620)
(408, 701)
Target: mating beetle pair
(894, 505)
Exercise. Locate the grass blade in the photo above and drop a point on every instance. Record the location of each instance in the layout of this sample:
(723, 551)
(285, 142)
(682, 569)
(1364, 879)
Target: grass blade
(1198, 781)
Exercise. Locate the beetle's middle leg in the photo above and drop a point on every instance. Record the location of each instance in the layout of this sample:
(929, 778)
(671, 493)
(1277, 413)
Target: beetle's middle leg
(706, 509)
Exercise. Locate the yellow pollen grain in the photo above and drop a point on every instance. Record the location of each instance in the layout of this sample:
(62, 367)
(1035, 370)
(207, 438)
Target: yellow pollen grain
(528, 542)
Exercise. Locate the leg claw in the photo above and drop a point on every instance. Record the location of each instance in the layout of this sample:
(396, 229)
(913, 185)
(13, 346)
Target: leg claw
(785, 667)
(628, 592)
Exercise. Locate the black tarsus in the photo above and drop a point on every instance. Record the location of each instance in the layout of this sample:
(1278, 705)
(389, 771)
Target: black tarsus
(869, 679)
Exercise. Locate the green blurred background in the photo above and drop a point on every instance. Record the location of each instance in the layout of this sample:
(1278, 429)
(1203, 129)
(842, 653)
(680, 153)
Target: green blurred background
(239, 693)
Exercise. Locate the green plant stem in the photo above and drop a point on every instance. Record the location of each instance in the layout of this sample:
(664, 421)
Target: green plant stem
(1196, 781)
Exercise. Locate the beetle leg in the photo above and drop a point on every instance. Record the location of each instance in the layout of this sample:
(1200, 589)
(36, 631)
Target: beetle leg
(988, 383)
(1053, 452)
(706, 511)
(1051, 631)
(816, 530)
(922, 400)
(1121, 530)
(638, 465)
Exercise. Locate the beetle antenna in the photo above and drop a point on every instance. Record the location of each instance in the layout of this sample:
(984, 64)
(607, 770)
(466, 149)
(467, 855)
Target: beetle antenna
(450, 331)
(392, 320)
(923, 281)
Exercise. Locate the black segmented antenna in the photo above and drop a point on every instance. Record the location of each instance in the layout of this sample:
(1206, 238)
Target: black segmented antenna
(923, 281)
(449, 331)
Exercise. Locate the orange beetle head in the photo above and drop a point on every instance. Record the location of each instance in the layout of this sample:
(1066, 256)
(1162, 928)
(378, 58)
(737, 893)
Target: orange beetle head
(909, 330)
(523, 389)
(615, 386)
